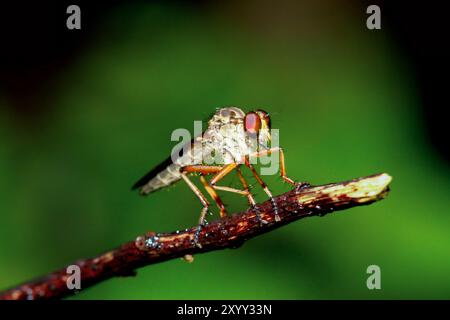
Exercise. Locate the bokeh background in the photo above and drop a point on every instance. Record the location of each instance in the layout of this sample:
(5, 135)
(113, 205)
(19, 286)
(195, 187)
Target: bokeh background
(85, 113)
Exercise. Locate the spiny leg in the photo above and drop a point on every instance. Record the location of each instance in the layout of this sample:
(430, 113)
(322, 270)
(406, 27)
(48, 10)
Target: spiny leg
(283, 168)
(201, 169)
(222, 173)
(282, 163)
(250, 198)
(264, 186)
(201, 223)
(204, 170)
(205, 204)
(226, 170)
(229, 189)
(215, 196)
(246, 192)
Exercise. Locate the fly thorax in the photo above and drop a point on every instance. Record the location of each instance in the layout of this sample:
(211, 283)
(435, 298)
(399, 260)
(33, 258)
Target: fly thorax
(224, 144)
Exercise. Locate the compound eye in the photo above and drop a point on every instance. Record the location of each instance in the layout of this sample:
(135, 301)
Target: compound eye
(252, 122)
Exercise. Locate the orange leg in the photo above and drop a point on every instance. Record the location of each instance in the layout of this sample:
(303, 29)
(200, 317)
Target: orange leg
(204, 211)
(225, 171)
(205, 170)
(264, 186)
(197, 192)
(250, 198)
(202, 169)
(229, 189)
(282, 163)
(215, 196)
(222, 173)
(211, 188)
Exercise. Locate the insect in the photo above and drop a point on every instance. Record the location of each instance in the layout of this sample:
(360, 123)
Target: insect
(232, 138)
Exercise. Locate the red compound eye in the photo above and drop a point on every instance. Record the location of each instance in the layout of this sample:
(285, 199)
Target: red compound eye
(252, 122)
(264, 117)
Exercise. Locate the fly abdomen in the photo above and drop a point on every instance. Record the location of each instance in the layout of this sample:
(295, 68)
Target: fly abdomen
(169, 171)
(165, 174)
(164, 178)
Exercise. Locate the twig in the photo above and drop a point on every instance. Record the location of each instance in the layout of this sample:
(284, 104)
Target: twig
(230, 232)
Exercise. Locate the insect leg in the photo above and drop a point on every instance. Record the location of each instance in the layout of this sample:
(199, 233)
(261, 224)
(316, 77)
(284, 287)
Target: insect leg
(222, 173)
(202, 169)
(215, 196)
(194, 188)
(229, 189)
(282, 163)
(225, 171)
(201, 223)
(264, 186)
(250, 198)
(205, 204)
(245, 192)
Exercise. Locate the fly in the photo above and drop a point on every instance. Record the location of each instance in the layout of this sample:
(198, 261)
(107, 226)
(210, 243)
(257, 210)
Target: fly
(234, 137)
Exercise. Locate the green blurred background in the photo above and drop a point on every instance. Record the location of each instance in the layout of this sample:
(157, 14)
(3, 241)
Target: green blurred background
(345, 100)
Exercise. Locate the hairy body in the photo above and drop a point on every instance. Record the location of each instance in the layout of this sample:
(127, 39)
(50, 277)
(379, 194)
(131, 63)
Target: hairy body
(225, 141)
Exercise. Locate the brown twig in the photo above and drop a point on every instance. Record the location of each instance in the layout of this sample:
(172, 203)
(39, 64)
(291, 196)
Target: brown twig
(230, 232)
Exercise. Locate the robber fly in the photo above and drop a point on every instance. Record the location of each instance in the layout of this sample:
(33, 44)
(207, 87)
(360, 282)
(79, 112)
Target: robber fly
(234, 135)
